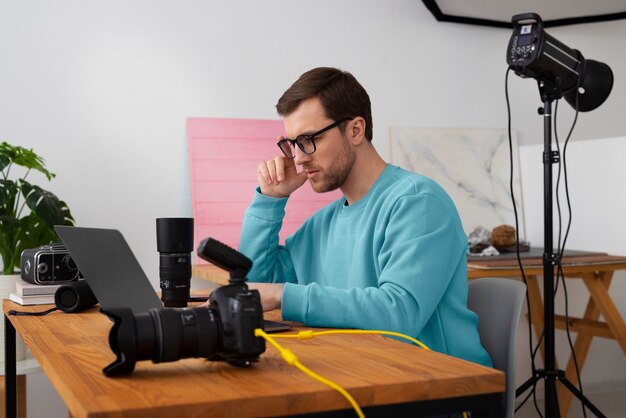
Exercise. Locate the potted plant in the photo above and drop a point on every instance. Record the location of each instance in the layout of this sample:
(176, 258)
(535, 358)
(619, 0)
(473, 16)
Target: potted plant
(28, 213)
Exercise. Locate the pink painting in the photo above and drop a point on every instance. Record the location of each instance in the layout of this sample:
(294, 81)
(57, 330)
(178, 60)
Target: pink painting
(223, 156)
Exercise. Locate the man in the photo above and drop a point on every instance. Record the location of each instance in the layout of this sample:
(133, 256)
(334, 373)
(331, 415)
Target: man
(390, 254)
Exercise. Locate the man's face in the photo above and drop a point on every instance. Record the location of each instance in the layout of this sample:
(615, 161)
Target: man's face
(331, 163)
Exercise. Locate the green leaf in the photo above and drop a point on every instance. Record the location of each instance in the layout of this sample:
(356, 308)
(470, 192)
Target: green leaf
(35, 228)
(67, 215)
(5, 161)
(10, 227)
(8, 242)
(31, 232)
(8, 194)
(35, 233)
(44, 203)
(22, 157)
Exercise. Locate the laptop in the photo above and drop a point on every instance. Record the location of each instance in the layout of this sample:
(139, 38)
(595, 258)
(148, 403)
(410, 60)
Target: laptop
(113, 273)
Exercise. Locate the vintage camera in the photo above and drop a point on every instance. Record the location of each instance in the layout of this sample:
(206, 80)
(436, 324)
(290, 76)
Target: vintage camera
(224, 331)
(48, 264)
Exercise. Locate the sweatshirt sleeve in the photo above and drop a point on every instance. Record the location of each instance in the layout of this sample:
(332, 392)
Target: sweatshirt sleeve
(422, 247)
(259, 240)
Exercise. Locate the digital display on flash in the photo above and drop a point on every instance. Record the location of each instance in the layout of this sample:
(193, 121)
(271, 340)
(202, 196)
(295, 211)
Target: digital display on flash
(524, 40)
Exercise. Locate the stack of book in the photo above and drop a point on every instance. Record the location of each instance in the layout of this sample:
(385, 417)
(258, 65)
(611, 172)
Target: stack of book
(33, 294)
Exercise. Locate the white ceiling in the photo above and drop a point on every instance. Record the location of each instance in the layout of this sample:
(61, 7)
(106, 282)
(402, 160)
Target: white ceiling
(503, 10)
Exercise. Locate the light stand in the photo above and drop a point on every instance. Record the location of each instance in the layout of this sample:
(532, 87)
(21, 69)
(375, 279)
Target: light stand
(585, 85)
(550, 374)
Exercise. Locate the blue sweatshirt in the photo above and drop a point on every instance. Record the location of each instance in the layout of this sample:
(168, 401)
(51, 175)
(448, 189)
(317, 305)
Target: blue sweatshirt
(394, 260)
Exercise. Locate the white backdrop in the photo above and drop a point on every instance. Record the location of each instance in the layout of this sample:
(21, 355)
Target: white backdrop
(102, 89)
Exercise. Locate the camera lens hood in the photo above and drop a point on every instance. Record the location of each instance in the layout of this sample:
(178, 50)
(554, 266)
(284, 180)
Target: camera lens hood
(121, 341)
(174, 235)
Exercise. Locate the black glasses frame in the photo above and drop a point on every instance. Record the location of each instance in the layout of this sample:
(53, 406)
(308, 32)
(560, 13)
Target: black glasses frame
(310, 137)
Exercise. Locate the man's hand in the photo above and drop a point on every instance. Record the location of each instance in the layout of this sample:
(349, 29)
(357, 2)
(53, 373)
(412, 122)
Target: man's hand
(279, 177)
(271, 294)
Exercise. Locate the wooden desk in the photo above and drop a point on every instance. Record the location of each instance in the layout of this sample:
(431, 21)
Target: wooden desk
(596, 272)
(379, 372)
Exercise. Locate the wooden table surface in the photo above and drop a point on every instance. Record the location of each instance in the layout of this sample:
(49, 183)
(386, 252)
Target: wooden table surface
(72, 349)
(573, 267)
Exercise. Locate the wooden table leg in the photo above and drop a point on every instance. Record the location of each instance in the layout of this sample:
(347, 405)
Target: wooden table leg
(582, 343)
(599, 292)
(21, 396)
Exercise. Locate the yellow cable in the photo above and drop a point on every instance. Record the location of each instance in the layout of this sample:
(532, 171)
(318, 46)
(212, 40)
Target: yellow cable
(307, 334)
(292, 360)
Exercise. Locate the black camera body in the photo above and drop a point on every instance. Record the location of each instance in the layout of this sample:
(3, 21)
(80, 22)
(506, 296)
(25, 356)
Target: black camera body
(240, 313)
(48, 264)
(223, 331)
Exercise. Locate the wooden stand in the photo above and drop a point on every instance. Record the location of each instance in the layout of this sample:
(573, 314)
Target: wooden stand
(596, 272)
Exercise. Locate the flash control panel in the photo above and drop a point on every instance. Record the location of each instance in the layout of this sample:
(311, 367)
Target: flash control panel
(523, 45)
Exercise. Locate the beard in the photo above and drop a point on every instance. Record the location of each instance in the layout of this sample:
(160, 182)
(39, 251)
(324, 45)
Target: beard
(336, 174)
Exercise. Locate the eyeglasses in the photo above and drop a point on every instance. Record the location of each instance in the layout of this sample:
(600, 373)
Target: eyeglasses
(305, 142)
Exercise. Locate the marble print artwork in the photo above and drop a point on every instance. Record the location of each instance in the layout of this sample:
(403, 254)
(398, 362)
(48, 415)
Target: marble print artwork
(472, 165)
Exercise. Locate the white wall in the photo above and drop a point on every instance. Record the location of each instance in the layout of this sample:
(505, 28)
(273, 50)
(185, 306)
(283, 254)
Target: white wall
(102, 89)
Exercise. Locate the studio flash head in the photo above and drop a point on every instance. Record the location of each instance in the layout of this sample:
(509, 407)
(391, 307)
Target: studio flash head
(533, 53)
(175, 244)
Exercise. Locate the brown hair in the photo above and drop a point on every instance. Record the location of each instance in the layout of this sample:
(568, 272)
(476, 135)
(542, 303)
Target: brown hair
(340, 93)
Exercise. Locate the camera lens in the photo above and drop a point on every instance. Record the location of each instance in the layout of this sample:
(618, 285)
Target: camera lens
(161, 335)
(175, 275)
(175, 244)
(182, 333)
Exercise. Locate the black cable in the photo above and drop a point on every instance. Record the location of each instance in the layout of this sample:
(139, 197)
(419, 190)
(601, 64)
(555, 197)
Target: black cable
(21, 313)
(562, 247)
(517, 243)
(558, 200)
(569, 204)
(556, 284)
(535, 402)
(519, 260)
(569, 340)
(539, 342)
(558, 177)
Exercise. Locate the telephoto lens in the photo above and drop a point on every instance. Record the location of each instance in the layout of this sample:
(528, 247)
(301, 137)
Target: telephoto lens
(175, 244)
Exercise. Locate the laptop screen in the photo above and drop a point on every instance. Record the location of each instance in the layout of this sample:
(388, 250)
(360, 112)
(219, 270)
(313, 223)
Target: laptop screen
(110, 268)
